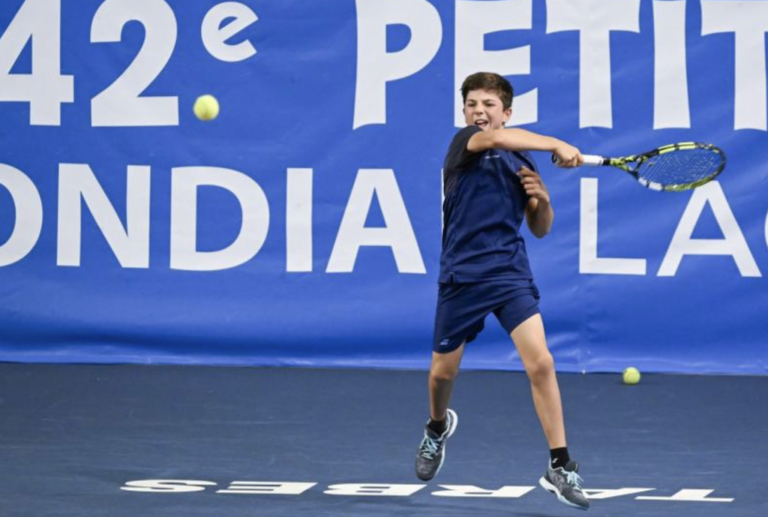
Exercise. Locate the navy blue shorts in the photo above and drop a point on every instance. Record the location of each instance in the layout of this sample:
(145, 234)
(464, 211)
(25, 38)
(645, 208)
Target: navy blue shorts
(462, 308)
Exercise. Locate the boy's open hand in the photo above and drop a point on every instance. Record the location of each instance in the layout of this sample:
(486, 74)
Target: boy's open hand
(533, 184)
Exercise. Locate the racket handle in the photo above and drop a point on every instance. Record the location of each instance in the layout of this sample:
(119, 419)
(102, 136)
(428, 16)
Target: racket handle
(590, 160)
(593, 160)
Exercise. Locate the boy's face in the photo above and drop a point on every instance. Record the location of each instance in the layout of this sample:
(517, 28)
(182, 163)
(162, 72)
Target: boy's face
(484, 109)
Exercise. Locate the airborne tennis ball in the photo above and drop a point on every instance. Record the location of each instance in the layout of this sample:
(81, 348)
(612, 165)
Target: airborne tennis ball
(206, 107)
(631, 376)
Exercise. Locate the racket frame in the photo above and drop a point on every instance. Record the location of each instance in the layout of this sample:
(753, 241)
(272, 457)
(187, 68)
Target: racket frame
(631, 165)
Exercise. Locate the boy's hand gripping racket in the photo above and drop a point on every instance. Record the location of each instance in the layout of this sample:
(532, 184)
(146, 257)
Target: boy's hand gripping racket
(674, 167)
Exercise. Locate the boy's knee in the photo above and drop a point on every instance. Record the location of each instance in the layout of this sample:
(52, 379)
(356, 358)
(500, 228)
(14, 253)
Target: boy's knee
(443, 373)
(541, 367)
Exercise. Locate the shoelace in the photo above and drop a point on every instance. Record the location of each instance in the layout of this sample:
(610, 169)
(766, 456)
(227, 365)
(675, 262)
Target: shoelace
(429, 448)
(574, 479)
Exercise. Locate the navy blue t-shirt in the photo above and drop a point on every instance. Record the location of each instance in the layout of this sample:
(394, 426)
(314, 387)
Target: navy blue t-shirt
(483, 209)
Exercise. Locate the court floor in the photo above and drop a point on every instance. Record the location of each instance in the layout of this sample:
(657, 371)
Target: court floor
(114, 441)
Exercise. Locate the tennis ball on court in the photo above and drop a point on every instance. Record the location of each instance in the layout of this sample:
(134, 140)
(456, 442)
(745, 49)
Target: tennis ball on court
(206, 107)
(631, 375)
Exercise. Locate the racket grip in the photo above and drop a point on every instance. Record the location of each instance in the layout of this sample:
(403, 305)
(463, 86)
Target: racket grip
(591, 160)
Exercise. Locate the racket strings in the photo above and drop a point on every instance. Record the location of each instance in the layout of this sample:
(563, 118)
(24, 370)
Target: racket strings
(681, 166)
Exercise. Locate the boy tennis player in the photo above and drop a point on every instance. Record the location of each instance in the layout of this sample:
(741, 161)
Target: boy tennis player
(491, 183)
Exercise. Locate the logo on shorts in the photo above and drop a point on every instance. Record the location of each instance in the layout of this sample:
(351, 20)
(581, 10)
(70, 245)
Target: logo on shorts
(445, 342)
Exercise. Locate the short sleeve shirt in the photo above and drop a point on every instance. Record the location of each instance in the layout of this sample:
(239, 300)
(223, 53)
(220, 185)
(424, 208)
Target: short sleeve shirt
(482, 213)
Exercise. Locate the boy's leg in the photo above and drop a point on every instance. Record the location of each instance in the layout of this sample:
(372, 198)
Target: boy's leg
(442, 373)
(443, 421)
(531, 343)
(459, 318)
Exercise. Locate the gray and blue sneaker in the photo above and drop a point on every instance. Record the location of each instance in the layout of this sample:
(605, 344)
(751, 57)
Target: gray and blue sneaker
(431, 452)
(565, 483)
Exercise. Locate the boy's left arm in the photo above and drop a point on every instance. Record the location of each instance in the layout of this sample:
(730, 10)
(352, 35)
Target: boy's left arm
(538, 211)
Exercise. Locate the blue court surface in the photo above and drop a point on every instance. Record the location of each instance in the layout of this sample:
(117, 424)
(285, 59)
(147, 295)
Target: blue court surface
(220, 441)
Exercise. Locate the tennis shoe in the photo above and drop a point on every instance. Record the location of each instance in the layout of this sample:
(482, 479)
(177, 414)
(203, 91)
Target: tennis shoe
(431, 453)
(565, 483)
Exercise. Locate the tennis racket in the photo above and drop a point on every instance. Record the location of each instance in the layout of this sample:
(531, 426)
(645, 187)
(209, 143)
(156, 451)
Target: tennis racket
(672, 168)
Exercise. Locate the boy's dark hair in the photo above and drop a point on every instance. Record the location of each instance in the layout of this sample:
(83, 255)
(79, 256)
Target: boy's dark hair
(491, 82)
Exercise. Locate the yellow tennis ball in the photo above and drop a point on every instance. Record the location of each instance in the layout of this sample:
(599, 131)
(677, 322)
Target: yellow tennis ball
(631, 375)
(206, 107)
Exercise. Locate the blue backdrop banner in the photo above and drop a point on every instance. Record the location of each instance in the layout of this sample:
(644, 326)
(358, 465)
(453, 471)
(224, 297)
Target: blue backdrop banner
(302, 226)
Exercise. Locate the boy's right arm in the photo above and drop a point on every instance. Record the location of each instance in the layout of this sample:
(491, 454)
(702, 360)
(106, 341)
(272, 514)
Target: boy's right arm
(516, 139)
